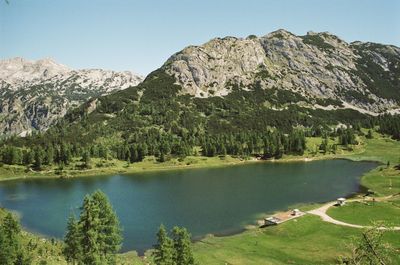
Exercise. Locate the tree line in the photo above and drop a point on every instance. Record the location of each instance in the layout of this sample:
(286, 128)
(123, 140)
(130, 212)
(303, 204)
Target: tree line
(270, 144)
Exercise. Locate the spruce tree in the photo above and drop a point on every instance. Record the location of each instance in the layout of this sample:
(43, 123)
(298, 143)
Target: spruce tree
(11, 250)
(49, 158)
(110, 238)
(72, 248)
(100, 230)
(223, 150)
(182, 246)
(86, 159)
(89, 228)
(27, 158)
(38, 158)
(162, 157)
(164, 249)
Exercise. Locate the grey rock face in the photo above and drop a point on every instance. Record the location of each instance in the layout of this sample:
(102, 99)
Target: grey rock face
(318, 65)
(33, 94)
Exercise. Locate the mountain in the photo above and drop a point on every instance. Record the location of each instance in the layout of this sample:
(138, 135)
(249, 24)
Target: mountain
(34, 94)
(258, 95)
(362, 76)
(233, 85)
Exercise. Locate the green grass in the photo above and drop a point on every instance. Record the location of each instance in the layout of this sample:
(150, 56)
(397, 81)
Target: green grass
(310, 240)
(9, 172)
(380, 149)
(382, 181)
(306, 240)
(368, 213)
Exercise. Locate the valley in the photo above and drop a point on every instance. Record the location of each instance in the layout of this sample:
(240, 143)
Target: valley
(294, 237)
(220, 135)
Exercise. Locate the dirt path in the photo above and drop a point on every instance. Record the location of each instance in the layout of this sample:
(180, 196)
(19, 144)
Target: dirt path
(321, 212)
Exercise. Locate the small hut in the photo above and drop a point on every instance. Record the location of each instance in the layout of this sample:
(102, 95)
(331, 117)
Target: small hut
(271, 221)
(295, 212)
(340, 201)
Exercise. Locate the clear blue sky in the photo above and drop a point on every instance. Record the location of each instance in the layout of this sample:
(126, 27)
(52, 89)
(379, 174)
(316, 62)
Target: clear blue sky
(141, 35)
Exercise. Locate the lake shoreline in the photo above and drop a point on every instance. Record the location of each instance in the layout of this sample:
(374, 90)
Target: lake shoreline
(137, 168)
(251, 224)
(357, 155)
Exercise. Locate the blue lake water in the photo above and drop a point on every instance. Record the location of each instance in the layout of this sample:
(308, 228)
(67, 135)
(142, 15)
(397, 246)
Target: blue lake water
(214, 200)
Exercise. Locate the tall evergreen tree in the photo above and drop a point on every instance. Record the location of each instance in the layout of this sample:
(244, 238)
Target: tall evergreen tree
(27, 157)
(11, 251)
(38, 158)
(49, 158)
(164, 249)
(72, 248)
(86, 158)
(89, 228)
(100, 230)
(182, 246)
(110, 238)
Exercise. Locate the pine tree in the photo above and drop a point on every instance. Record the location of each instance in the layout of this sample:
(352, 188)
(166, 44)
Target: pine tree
(324, 145)
(49, 158)
(65, 154)
(86, 159)
(370, 249)
(133, 154)
(27, 158)
(12, 155)
(161, 158)
(164, 250)
(89, 228)
(110, 238)
(11, 249)
(72, 248)
(223, 150)
(100, 230)
(38, 158)
(182, 246)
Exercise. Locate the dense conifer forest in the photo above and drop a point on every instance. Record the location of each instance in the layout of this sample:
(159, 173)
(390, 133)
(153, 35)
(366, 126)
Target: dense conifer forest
(154, 119)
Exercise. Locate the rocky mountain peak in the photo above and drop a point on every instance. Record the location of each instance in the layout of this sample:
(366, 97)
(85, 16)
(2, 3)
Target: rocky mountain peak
(316, 65)
(280, 33)
(18, 70)
(33, 94)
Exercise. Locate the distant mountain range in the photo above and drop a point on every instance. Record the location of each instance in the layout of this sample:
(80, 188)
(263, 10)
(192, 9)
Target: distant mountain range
(222, 85)
(33, 94)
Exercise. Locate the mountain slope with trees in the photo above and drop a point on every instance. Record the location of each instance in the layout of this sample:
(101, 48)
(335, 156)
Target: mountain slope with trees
(163, 117)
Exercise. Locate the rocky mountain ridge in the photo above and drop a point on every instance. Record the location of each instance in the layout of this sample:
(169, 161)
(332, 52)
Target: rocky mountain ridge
(316, 75)
(33, 94)
(362, 76)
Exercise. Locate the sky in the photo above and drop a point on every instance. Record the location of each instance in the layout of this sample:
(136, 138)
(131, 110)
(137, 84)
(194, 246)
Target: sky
(141, 35)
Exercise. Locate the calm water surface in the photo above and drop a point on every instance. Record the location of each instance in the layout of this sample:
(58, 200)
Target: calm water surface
(216, 200)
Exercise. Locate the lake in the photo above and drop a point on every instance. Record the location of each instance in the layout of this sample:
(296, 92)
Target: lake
(215, 200)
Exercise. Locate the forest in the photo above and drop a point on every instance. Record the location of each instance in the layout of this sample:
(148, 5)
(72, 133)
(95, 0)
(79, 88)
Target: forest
(154, 119)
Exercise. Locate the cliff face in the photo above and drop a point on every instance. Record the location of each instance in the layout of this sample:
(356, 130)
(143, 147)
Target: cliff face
(33, 94)
(362, 76)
